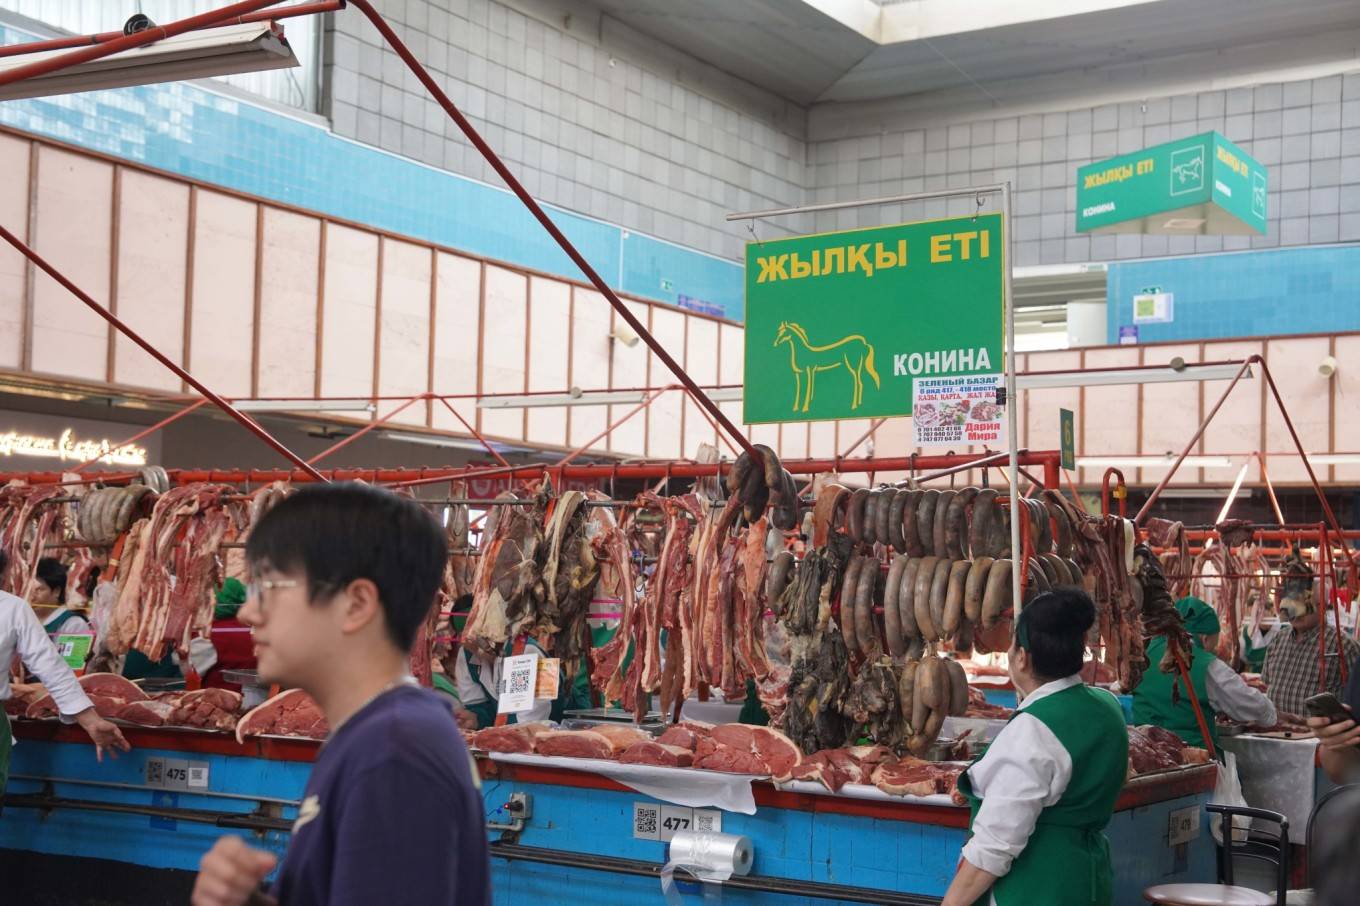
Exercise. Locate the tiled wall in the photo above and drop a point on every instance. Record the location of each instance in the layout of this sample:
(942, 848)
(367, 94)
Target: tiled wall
(637, 139)
(202, 134)
(1246, 294)
(1307, 133)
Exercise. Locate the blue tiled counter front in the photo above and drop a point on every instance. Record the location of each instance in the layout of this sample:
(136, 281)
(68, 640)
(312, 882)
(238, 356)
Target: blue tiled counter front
(891, 846)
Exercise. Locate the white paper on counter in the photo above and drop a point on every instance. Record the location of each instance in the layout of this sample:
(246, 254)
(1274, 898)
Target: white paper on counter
(681, 786)
(1279, 775)
(865, 791)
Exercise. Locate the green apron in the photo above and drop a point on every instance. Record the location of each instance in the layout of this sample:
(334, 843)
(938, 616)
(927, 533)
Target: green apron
(1255, 657)
(1066, 861)
(752, 711)
(486, 708)
(53, 627)
(1155, 703)
(138, 666)
(571, 696)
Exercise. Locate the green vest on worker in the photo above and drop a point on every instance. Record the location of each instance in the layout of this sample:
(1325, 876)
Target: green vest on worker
(1155, 703)
(1066, 861)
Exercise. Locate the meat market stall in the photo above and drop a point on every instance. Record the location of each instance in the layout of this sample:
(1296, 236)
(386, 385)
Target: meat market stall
(852, 610)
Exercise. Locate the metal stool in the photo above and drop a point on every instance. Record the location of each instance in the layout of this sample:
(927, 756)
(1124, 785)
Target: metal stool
(1261, 845)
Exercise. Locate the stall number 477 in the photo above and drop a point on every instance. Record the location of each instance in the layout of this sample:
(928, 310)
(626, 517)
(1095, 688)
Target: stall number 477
(675, 824)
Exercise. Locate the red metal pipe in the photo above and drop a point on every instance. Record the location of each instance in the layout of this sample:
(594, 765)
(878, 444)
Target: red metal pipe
(480, 396)
(475, 433)
(499, 166)
(1303, 454)
(1270, 488)
(127, 42)
(1121, 491)
(346, 441)
(1199, 432)
(148, 431)
(246, 421)
(302, 9)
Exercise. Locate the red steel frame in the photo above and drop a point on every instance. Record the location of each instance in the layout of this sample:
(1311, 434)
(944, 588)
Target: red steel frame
(94, 47)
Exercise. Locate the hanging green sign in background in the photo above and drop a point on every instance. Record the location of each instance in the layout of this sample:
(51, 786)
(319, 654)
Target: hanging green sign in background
(1067, 438)
(839, 324)
(1203, 184)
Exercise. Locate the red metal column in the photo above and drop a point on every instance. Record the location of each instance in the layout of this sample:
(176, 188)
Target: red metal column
(367, 428)
(475, 433)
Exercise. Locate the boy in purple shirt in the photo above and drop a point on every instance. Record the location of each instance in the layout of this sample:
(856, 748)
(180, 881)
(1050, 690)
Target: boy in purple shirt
(343, 576)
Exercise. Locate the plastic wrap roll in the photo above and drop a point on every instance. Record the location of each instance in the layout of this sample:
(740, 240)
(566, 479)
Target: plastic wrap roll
(709, 857)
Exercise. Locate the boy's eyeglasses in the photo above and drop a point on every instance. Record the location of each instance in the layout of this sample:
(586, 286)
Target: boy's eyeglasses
(257, 588)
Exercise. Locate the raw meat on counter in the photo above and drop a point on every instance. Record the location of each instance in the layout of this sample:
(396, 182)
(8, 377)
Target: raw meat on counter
(290, 713)
(21, 695)
(656, 753)
(108, 692)
(518, 739)
(1153, 748)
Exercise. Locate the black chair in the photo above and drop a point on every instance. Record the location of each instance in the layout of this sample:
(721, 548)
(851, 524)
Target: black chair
(1261, 844)
(1328, 815)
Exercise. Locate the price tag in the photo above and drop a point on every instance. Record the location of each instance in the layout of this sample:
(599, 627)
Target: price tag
(176, 774)
(1182, 826)
(661, 822)
(518, 683)
(74, 648)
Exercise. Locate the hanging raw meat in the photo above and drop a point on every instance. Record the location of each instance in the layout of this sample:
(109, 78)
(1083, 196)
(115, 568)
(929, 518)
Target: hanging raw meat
(508, 587)
(28, 521)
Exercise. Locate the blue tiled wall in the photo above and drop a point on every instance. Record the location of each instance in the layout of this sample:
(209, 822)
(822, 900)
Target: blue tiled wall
(219, 139)
(1304, 290)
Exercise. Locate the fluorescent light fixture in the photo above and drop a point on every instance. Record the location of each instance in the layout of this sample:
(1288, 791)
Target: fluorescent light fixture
(583, 398)
(1117, 377)
(440, 440)
(303, 405)
(1152, 462)
(1332, 459)
(209, 52)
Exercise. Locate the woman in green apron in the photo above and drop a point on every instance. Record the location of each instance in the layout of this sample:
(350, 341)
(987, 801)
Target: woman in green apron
(1046, 787)
(1161, 698)
(49, 601)
(478, 678)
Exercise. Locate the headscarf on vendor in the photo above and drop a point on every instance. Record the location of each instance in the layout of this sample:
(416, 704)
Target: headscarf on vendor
(1201, 621)
(229, 599)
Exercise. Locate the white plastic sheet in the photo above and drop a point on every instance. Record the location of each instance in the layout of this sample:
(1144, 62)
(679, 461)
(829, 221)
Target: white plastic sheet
(681, 786)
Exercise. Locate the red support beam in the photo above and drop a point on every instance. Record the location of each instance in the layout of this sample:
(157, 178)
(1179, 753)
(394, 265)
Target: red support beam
(376, 423)
(475, 433)
(148, 431)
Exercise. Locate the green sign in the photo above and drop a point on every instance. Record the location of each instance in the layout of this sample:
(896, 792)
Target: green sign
(1068, 438)
(74, 649)
(838, 325)
(1202, 185)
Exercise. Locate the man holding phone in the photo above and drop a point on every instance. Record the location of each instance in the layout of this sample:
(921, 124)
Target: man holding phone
(1339, 733)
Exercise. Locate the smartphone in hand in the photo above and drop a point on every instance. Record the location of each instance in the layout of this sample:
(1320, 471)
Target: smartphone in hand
(1326, 704)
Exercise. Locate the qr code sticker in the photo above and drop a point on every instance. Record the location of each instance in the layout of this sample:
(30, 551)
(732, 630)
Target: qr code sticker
(707, 822)
(646, 821)
(518, 682)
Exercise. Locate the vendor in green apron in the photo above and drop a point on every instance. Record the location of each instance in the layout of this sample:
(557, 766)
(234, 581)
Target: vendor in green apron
(1161, 698)
(49, 601)
(1046, 787)
(478, 681)
(21, 634)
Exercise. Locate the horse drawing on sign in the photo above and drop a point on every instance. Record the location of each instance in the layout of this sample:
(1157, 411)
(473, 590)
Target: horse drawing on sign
(853, 352)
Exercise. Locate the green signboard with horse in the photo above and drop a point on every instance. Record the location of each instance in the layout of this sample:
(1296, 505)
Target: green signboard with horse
(838, 325)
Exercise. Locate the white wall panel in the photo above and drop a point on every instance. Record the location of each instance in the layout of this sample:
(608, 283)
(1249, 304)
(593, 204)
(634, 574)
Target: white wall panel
(1039, 408)
(349, 312)
(793, 440)
(731, 355)
(701, 362)
(631, 369)
(549, 327)
(1307, 395)
(457, 329)
(153, 235)
(288, 285)
(222, 320)
(1170, 416)
(503, 348)
(664, 415)
(1237, 426)
(592, 319)
(14, 189)
(1107, 421)
(1345, 407)
(404, 340)
(73, 234)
